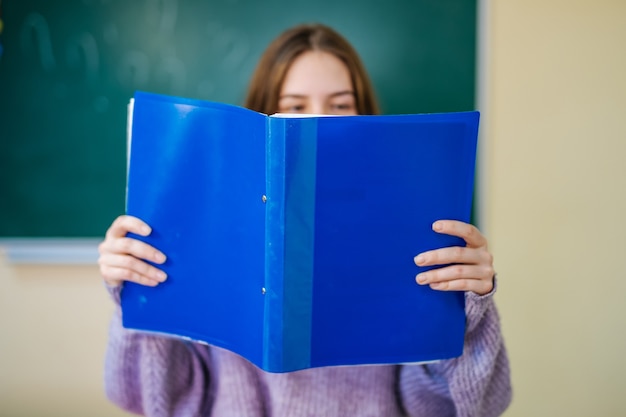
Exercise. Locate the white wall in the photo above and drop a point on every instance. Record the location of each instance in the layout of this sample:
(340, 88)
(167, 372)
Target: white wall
(54, 323)
(556, 200)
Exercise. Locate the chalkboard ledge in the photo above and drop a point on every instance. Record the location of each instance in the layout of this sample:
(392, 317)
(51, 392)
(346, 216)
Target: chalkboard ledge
(70, 251)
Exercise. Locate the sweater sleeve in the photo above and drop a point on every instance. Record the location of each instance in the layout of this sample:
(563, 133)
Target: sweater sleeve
(475, 384)
(155, 375)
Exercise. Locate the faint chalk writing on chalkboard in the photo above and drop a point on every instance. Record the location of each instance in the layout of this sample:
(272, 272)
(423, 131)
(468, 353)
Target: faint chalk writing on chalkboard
(233, 46)
(85, 47)
(173, 70)
(133, 69)
(35, 40)
(163, 14)
(135, 62)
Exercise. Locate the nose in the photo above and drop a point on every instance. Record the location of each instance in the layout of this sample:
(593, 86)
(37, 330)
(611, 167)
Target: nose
(317, 107)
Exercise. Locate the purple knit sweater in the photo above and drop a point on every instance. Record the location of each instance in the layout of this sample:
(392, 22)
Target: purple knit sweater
(158, 376)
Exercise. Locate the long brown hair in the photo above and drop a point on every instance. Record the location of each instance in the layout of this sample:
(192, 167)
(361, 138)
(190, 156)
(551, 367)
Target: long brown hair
(270, 72)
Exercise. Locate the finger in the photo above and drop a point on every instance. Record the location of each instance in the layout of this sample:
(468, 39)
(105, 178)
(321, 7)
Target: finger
(453, 255)
(133, 247)
(469, 233)
(114, 276)
(480, 287)
(132, 265)
(124, 224)
(456, 272)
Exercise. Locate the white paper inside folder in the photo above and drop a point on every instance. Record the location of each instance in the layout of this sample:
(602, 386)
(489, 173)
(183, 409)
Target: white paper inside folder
(129, 129)
(302, 115)
(129, 139)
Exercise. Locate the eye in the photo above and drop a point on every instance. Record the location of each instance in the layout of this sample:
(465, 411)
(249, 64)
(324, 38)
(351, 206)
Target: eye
(291, 107)
(298, 108)
(342, 108)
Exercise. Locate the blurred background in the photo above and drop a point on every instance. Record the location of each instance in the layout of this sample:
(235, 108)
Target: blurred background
(547, 76)
(70, 67)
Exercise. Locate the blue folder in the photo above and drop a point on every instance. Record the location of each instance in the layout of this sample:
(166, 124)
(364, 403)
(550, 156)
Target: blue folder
(290, 240)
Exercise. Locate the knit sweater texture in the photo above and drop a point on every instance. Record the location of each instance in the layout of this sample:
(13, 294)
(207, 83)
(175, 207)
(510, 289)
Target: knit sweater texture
(159, 376)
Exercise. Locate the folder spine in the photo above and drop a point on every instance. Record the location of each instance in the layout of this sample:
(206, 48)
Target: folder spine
(274, 245)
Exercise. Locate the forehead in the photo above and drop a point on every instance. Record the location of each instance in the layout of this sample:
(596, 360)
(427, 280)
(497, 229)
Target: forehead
(316, 72)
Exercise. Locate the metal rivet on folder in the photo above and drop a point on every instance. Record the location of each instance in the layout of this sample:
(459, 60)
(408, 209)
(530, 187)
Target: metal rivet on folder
(263, 290)
(264, 198)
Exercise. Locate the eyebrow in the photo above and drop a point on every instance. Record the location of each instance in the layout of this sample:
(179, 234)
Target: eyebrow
(338, 93)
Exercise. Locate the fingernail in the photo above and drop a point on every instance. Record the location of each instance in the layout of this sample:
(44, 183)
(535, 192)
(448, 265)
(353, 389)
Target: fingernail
(437, 226)
(159, 257)
(161, 276)
(419, 259)
(421, 278)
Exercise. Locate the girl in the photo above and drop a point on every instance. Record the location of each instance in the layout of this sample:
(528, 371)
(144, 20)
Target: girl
(308, 69)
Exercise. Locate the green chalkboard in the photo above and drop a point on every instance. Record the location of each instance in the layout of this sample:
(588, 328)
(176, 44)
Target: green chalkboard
(69, 67)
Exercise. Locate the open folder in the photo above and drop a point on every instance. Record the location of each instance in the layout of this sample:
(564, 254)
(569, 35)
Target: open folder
(290, 240)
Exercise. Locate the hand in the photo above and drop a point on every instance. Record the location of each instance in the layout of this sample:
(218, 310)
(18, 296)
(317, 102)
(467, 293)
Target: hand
(121, 257)
(471, 267)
